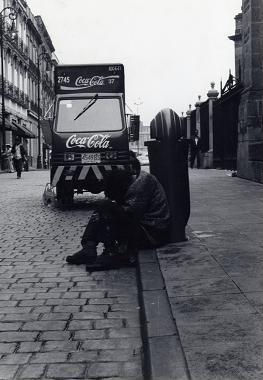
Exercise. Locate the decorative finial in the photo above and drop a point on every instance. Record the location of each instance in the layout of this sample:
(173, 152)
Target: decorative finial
(212, 93)
(188, 112)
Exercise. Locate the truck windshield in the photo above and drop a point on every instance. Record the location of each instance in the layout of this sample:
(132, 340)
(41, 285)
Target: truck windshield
(104, 115)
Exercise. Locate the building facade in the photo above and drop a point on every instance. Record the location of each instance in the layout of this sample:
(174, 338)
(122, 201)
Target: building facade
(232, 128)
(28, 64)
(248, 41)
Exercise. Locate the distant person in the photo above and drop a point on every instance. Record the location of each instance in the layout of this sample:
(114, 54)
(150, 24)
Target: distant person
(25, 162)
(195, 150)
(3, 158)
(19, 155)
(133, 216)
(10, 167)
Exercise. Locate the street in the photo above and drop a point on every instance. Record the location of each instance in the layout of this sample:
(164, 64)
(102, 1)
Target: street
(57, 320)
(201, 300)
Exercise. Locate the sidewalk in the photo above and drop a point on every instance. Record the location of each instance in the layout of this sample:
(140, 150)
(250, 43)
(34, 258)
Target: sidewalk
(210, 327)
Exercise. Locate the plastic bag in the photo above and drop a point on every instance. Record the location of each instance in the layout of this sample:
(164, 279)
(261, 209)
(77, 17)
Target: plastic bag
(49, 195)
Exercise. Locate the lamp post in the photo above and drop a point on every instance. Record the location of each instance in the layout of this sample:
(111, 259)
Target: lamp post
(39, 161)
(12, 16)
(138, 103)
(188, 121)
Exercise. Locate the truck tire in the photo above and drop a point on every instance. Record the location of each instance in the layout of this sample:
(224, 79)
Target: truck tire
(65, 196)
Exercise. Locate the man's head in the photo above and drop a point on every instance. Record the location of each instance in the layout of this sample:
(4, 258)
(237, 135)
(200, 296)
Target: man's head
(17, 140)
(117, 183)
(135, 163)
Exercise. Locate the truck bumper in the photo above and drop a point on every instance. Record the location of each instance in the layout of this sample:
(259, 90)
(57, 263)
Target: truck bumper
(79, 174)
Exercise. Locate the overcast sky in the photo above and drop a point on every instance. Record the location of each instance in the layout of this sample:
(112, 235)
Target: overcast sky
(171, 49)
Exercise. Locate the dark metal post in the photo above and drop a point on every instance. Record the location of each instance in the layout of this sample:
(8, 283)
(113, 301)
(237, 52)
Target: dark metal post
(170, 147)
(39, 159)
(39, 162)
(2, 82)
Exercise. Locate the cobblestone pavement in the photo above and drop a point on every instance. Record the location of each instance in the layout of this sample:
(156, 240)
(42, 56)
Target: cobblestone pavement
(57, 321)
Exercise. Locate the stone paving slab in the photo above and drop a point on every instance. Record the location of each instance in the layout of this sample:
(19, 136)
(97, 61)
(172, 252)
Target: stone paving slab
(164, 355)
(225, 361)
(175, 367)
(157, 308)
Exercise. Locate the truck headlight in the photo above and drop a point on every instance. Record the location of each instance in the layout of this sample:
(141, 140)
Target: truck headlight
(69, 157)
(111, 155)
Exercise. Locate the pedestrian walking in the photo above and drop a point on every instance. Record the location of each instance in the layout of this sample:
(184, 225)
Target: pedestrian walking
(195, 150)
(3, 158)
(134, 215)
(25, 162)
(19, 153)
(10, 167)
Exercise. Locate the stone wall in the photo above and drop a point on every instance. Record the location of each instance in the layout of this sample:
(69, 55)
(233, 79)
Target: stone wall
(250, 126)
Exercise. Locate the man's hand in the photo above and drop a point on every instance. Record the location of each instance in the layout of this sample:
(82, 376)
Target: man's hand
(106, 205)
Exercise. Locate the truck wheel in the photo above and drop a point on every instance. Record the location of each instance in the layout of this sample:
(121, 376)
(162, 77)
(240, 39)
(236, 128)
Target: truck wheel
(64, 196)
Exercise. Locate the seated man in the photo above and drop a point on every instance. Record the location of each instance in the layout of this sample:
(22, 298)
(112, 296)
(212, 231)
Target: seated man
(134, 215)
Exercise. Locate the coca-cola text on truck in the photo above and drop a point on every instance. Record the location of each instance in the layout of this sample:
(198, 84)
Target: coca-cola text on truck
(89, 131)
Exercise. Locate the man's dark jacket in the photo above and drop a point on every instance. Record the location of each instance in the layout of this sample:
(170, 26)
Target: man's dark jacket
(195, 146)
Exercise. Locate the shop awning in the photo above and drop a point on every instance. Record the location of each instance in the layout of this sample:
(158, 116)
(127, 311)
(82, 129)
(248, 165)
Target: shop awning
(8, 126)
(23, 131)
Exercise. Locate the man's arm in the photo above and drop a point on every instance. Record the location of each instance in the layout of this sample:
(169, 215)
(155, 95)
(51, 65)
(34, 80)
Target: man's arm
(139, 197)
(107, 206)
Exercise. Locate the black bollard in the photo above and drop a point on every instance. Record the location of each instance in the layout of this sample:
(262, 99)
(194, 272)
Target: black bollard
(168, 159)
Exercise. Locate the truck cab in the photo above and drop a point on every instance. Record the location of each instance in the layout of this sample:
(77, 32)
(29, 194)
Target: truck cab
(90, 133)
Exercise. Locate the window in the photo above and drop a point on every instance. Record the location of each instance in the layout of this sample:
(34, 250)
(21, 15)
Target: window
(22, 79)
(15, 74)
(103, 115)
(9, 68)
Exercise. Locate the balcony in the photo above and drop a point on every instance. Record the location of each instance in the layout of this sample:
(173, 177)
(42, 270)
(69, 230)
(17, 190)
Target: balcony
(33, 68)
(12, 92)
(34, 108)
(16, 94)
(23, 99)
(22, 47)
(47, 85)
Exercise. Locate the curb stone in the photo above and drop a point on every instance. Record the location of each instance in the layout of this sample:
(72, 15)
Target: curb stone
(164, 357)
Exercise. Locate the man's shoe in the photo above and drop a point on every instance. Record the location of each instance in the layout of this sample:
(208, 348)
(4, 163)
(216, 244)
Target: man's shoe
(84, 256)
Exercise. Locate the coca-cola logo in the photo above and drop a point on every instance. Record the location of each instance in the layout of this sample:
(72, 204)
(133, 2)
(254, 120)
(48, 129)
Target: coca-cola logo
(98, 141)
(95, 81)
